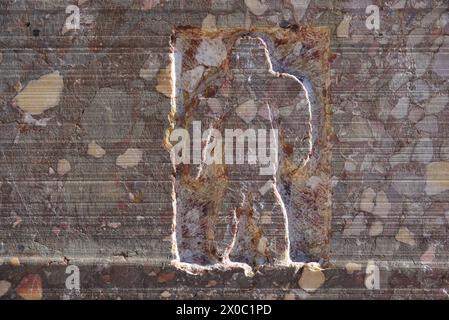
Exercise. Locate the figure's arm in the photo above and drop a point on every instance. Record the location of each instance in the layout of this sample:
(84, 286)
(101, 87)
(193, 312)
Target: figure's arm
(294, 117)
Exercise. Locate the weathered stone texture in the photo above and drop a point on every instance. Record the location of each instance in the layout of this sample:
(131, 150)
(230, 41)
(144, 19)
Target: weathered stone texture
(86, 175)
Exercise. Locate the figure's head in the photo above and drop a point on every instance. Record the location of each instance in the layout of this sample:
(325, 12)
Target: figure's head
(249, 56)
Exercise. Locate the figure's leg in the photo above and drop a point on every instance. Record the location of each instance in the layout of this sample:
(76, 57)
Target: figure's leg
(226, 227)
(274, 224)
(194, 229)
(261, 236)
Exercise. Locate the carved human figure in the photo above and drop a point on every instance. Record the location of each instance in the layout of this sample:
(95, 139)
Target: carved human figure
(257, 122)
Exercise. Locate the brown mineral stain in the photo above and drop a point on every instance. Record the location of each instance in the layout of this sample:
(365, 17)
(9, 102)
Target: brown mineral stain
(165, 277)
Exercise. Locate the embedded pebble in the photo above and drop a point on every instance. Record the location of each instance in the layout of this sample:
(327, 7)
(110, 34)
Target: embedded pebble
(401, 109)
(441, 60)
(428, 124)
(130, 158)
(94, 150)
(398, 80)
(191, 78)
(403, 156)
(423, 151)
(376, 229)
(422, 62)
(209, 22)
(415, 114)
(415, 37)
(407, 183)
(437, 104)
(352, 267)
(299, 9)
(150, 68)
(444, 150)
(257, 7)
(367, 200)
(215, 105)
(164, 82)
(343, 27)
(247, 111)
(211, 52)
(311, 278)
(405, 236)
(428, 256)
(437, 177)
(420, 91)
(4, 287)
(356, 227)
(41, 94)
(63, 167)
(149, 4)
(383, 205)
(14, 261)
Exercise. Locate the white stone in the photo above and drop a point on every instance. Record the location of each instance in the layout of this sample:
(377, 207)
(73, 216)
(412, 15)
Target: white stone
(415, 37)
(415, 114)
(41, 94)
(383, 205)
(420, 91)
(311, 278)
(428, 124)
(314, 182)
(191, 78)
(367, 200)
(437, 177)
(28, 118)
(130, 158)
(422, 62)
(343, 27)
(63, 167)
(423, 151)
(352, 267)
(360, 129)
(211, 52)
(215, 105)
(209, 22)
(350, 166)
(150, 68)
(4, 287)
(403, 156)
(437, 104)
(299, 9)
(257, 7)
(356, 227)
(404, 235)
(444, 150)
(401, 109)
(247, 111)
(376, 229)
(398, 80)
(441, 58)
(94, 150)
